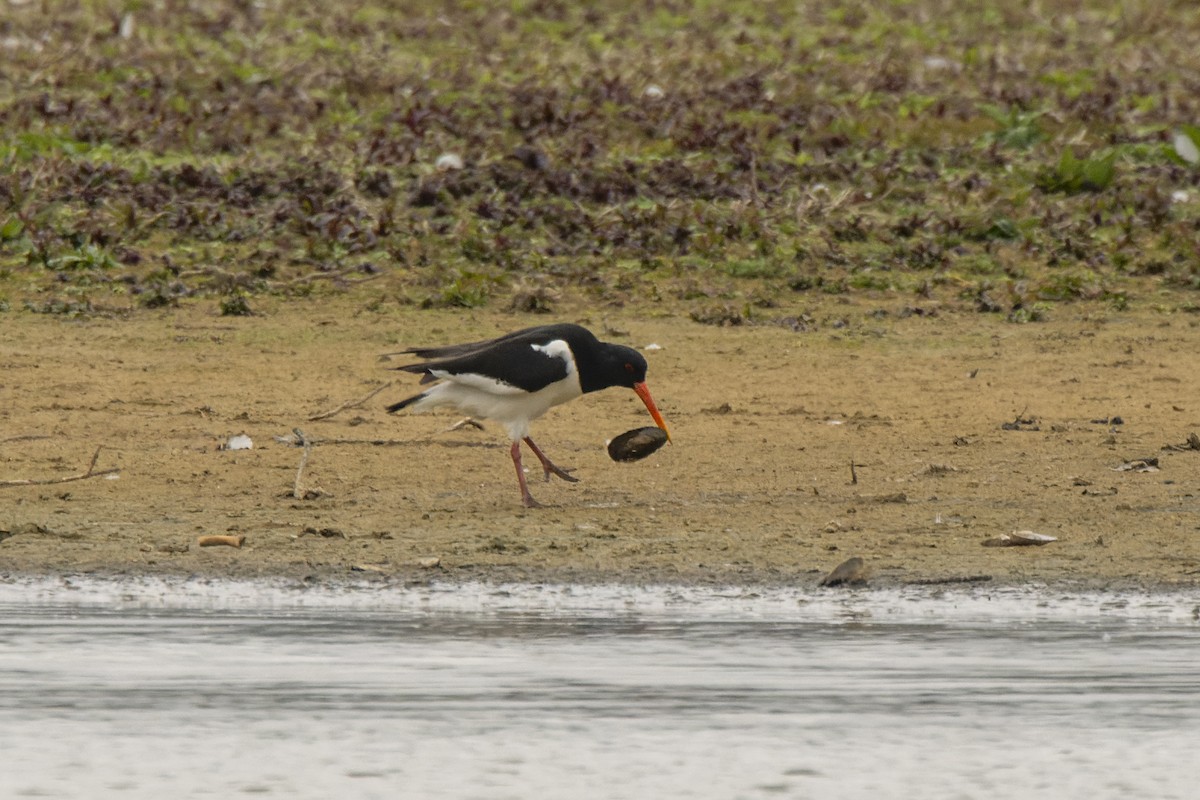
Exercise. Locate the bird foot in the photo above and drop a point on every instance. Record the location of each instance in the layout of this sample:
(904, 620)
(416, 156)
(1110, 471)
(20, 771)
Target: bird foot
(564, 473)
(549, 467)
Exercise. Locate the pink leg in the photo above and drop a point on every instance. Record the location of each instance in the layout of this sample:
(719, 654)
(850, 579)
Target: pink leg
(549, 466)
(526, 497)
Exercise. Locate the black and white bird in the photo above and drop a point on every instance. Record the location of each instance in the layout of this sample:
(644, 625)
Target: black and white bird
(519, 377)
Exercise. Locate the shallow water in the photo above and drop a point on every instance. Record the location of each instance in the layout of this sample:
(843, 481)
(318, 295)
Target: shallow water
(152, 689)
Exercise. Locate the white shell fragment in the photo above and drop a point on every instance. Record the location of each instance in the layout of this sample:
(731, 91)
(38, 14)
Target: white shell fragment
(653, 92)
(653, 346)
(448, 161)
(1019, 539)
(239, 442)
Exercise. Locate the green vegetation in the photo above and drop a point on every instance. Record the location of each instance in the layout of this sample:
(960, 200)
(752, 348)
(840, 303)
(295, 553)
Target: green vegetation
(466, 154)
(1073, 175)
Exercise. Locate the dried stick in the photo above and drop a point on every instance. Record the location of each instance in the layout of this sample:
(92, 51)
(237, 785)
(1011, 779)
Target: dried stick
(314, 441)
(92, 472)
(350, 403)
(24, 437)
(296, 493)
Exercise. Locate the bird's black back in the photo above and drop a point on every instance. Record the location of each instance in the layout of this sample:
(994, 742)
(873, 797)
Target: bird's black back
(511, 359)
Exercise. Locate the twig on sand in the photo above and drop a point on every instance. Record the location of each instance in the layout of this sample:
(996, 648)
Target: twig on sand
(92, 472)
(24, 437)
(349, 404)
(292, 440)
(1192, 443)
(307, 445)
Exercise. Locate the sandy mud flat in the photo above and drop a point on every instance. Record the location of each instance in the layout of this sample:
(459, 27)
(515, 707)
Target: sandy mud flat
(907, 442)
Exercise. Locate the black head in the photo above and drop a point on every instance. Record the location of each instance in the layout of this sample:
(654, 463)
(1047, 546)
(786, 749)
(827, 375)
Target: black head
(612, 365)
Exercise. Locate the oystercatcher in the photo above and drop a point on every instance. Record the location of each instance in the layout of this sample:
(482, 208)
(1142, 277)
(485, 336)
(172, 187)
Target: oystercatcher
(518, 377)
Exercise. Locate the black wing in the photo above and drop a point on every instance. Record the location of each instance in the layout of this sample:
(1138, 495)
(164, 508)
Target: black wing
(540, 334)
(509, 359)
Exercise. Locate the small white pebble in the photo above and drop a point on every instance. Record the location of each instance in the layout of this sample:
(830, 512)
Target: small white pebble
(653, 346)
(1179, 196)
(653, 92)
(1186, 148)
(448, 161)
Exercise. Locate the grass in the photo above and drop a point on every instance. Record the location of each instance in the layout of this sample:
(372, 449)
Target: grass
(610, 152)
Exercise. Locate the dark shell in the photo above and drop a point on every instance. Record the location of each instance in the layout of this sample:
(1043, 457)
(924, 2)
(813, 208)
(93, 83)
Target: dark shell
(636, 444)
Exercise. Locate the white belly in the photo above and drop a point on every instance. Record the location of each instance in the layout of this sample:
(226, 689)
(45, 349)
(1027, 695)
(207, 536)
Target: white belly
(514, 409)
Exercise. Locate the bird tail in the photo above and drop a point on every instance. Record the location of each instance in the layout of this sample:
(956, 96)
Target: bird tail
(405, 403)
(424, 370)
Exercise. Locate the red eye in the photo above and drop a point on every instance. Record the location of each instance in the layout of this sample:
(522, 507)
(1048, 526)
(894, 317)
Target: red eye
(629, 368)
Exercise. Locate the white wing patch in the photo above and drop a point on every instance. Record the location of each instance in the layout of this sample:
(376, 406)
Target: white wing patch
(558, 349)
(488, 398)
(480, 382)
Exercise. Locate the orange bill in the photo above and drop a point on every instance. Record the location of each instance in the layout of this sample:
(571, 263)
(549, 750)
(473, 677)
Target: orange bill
(644, 393)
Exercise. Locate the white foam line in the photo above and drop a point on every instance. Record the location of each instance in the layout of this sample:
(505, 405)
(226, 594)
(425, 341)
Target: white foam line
(910, 605)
